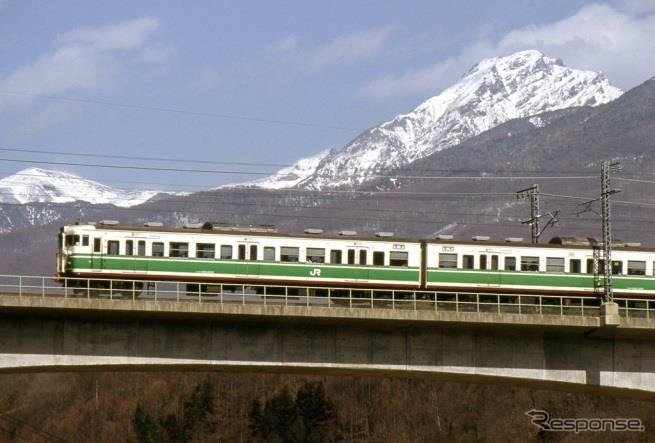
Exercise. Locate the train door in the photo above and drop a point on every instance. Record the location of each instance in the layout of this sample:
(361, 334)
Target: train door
(135, 249)
(361, 257)
(248, 256)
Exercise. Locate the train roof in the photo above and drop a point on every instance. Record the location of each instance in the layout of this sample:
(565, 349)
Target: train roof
(269, 230)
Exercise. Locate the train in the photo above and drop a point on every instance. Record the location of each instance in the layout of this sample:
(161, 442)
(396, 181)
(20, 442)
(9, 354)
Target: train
(210, 253)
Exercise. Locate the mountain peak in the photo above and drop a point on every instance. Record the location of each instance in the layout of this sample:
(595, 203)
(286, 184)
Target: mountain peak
(494, 91)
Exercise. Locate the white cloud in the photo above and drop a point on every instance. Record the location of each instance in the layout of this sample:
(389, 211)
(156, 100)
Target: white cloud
(348, 48)
(286, 44)
(85, 59)
(618, 42)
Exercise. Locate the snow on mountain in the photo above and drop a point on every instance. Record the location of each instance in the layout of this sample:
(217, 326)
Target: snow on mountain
(46, 186)
(287, 177)
(492, 92)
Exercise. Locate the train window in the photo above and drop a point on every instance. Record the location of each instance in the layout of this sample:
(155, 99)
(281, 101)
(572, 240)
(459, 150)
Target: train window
(397, 258)
(636, 267)
(494, 262)
(269, 253)
(96, 245)
(177, 249)
(226, 252)
(253, 252)
(529, 263)
(378, 258)
(575, 266)
(554, 264)
(72, 240)
(85, 240)
(141, 248)
(205, 250)
(316, 255)
(468, 261)
(290, 254)
(157, 249)
(617, 267)
(510, 263)
(335, 256)
(448, 261)
(241, 252)
(483, 262)
(351, 256)
(362, 257)
(129, 247)
(113, 247)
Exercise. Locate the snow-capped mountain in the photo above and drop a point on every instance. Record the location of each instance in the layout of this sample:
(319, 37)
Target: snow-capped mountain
(35, 185)
(287, 177)
(492, 92)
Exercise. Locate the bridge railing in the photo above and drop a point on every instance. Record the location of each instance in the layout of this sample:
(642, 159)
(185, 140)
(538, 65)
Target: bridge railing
(351, 298)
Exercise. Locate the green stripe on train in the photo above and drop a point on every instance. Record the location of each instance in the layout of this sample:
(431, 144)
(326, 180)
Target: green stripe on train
(244, 268)
(500, 278)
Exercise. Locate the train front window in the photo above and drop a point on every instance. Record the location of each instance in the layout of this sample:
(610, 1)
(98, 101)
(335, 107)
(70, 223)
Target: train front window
(72, 240)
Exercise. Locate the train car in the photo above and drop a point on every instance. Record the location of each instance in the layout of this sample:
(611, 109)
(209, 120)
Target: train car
(218, 253)
(563, 266)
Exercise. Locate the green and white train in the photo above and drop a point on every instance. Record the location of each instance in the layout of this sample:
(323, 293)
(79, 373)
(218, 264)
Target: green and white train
(217, 253)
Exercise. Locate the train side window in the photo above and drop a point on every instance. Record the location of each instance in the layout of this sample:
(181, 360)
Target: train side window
(494, 262)
(554, 264)
(157, 249)
(253, 252)
(205, 250)
(113, 247)
(96, 245)
(335, 256)
(575, 266)
(483, 262)
(269, 253)
(226, 252)
(177, 249)
(289, 254)
(530, 264)
(241, 252)
(636, 267)
(129, 247)
(85, 240)
(316, 255)
(351, 256)
(363, 257)
(378, 258)
(617, 267)
(510, 263)
(448, 261)
(397, 258)
(141, 248)
(468, 261)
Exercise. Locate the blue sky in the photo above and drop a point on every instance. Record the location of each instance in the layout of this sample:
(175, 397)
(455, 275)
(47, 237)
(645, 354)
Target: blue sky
(265, 82)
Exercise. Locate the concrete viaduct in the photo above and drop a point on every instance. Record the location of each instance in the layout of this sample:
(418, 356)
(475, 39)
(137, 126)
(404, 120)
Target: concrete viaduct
(602, 354)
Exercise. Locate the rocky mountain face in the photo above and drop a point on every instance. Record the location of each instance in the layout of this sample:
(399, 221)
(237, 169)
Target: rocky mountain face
(492, 92)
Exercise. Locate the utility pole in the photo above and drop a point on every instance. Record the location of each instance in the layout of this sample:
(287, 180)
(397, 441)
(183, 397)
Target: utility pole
(533, 194)
(606, 215)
